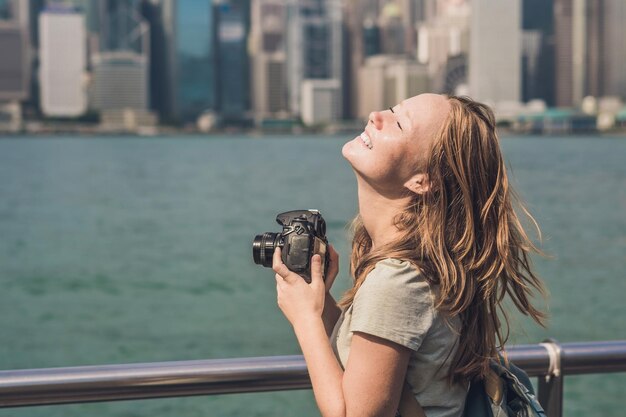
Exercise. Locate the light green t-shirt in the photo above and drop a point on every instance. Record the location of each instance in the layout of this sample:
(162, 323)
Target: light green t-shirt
(395, 302)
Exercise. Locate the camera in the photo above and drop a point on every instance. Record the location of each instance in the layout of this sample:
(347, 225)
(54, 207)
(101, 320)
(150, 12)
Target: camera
(303, 235)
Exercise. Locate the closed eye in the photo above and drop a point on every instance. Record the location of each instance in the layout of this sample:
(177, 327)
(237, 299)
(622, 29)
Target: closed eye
(391, 109)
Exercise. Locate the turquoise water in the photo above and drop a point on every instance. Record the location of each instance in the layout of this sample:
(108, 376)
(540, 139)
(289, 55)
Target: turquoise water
(125, 249)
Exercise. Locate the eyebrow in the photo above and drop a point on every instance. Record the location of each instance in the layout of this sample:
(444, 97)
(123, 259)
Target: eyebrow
(391, 108)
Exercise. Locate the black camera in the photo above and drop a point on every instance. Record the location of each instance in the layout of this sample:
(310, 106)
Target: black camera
(303, 235)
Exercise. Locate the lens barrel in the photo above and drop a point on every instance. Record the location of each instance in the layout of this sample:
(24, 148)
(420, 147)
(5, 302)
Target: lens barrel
(263, 248)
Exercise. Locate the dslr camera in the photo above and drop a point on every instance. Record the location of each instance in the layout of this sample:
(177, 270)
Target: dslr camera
(303, 235)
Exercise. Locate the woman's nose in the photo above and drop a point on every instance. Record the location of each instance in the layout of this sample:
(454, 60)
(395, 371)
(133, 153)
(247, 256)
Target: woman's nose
(376, 119)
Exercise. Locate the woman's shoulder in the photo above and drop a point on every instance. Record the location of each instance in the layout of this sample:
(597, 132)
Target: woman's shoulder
(394, 302)
(397, 276)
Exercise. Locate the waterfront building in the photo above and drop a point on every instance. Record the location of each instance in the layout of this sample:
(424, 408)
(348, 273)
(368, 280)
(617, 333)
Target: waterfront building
(371, 38)
(361, 21)
(387, 80)
(120, 81)
(15, 65)
(268, 60)
(159, 15)
(392, 30)
(569, 52)
(614, 54)
(191, 58)
(231, 27)
(321, 101)
(121, 26)
(443, 45)
(590, 49)
(62, 54)
(315, 46)
(495, 51)
(538, 74)
(121, 67)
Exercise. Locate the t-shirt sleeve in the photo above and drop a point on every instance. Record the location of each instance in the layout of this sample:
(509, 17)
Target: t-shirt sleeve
(395, 303)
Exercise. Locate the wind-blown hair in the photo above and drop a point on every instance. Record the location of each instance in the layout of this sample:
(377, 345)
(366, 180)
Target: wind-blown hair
(465, 236)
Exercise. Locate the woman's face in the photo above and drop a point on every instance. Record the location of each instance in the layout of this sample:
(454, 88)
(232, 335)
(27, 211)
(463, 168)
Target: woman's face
(393, 147)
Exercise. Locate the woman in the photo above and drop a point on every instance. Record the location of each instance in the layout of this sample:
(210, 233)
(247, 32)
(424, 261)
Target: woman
(437, 246)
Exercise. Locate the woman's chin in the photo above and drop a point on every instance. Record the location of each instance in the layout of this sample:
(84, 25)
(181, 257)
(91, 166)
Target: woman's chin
(350, 149)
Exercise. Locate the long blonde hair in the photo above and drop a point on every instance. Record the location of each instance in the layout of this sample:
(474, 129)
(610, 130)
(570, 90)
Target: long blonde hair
(465, 236)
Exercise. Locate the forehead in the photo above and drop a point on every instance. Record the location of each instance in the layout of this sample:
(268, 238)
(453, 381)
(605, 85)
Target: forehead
(426, 112)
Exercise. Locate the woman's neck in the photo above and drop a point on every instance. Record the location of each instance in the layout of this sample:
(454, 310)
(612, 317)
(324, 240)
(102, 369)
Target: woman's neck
(378, 211)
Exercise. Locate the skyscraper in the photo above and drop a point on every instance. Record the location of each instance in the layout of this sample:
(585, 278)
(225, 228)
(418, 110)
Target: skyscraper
(268, 59)
(62, 54)
(569, 51)
(494, 67)
(191, 58)
(121, 81)
(315, 45)
(231, 26)
(159, 15)
(590, 49)
(443, 45)
(15, 64)
(120, 69)
(538, 51)
(387, 80)
(614, 39)
(121, 26)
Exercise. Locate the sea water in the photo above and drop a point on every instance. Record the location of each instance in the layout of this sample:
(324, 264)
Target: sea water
(128, 249)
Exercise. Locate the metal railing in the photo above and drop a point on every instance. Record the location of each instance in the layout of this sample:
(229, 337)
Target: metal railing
(550, 361)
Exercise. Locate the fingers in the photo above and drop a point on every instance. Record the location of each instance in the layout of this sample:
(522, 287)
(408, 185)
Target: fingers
(316, 270)
(333, 267)
(277, 264)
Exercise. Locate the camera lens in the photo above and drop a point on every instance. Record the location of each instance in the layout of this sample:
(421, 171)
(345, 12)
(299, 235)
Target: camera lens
(263, 248)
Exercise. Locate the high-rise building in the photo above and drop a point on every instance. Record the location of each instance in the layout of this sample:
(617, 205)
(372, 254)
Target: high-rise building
(605, 48)
(495, 51)
(538, 51)
(62, 52)
(122, 27)
(315, 45)
(15, 64)
(443, 45)
(159, 15)
(321, 101)
(192, 58)
(371, 38)
(590, 49)
(120, 68)
(569, 51)
(614, 40)
(121, 81)
(362, 40)
(268, 59)
(231, 27)
(387, 80)
(393, 30)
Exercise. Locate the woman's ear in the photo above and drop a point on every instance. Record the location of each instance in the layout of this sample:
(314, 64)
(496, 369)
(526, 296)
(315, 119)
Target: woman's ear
(418, 184)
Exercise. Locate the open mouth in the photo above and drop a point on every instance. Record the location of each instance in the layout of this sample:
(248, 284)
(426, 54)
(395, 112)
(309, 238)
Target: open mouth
(366, 140)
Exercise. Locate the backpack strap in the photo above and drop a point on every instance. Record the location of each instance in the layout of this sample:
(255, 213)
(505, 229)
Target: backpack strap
(409, 406)
(494, 386)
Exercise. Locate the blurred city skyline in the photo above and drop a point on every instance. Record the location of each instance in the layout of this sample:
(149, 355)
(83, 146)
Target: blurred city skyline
(126, 64)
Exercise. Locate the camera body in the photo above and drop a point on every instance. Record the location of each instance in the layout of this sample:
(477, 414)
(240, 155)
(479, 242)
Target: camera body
(303, 235)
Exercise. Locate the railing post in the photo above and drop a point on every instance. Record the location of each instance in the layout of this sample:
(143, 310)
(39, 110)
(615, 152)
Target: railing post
(551, 385)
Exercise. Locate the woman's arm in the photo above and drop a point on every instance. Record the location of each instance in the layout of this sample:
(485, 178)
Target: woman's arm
(331, 314)
(372, 382)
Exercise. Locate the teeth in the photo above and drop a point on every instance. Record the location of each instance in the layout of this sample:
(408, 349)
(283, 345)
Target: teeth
(366, 139)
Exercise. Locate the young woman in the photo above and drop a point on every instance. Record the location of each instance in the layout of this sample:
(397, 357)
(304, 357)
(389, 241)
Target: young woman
(437, 246)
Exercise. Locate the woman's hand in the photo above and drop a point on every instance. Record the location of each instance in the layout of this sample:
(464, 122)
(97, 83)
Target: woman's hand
(300, 302)
(333, 268)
